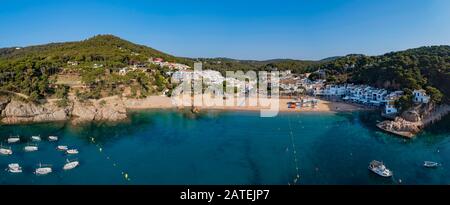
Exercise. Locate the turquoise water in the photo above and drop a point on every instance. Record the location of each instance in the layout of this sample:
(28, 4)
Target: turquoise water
(166, 147)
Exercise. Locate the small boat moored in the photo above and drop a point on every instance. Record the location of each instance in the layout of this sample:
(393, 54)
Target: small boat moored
(430, 164)
(30, 148)
(14, 168)
(72, 151)
(62, 148)
(36, 138)
(380, 169)
(52, 138)
(70, 165)
(43, 170)
(5, 151)
(13, 139)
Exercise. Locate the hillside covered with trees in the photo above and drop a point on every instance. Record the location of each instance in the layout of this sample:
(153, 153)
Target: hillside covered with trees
(32, 70)
(226, 64)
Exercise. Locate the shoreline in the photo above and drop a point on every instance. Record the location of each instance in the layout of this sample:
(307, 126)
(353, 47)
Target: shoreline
(115, 108)
(162, 102)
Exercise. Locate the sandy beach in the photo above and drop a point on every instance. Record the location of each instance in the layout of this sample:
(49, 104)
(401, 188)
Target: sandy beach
(163, 102)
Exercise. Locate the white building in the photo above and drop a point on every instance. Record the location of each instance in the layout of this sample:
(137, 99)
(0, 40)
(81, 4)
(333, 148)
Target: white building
(420, 96)
(171, 66)
(178, 76)
(335, 90)
(390, 109)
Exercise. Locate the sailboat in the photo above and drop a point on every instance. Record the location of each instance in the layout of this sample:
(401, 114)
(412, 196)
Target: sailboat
(52, 138)
(5, 151)
(30, 148)
(36, 138)
(14, 168)
(13, 139)
(72, 151)
(43, 169)
(430, 164)
(71, 164)
(62, 148)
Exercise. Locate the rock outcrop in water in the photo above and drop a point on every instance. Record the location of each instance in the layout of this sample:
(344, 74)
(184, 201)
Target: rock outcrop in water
(107, 109)
(20, 112)
(414, 120)
(401, 127)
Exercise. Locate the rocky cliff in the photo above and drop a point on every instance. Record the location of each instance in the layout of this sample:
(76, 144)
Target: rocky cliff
(412, 121)
(20, 112)
(107, 109)
(401, 127)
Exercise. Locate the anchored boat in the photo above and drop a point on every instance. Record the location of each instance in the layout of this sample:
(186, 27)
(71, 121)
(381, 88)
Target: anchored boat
(14, 168)
(62, 148)
(431, 164)
(70, 165)
(13, 139)
(52, 138)
(43, 170)
(72, 151)
(30, 148)
(36, 138)
(5, 151)
(380, 169)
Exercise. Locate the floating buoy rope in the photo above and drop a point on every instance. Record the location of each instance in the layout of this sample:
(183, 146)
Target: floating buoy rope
(294, 153)
(114, 164)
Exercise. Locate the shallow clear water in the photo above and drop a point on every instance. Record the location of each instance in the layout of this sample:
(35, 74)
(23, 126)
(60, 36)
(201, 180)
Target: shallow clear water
(168, 147)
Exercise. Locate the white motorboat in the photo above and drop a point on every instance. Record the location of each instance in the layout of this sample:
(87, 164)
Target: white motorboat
(30, 148)
(36, 138)
(72, 151)
(52, 138)
(13, 139)
(5, 151)
(430, 164)
(379, 168)
(70, 165)
(14, 168)
(43, 170)
(62, 148)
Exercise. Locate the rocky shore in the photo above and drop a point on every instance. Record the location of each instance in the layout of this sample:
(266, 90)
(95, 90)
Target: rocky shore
(412, 121)
(106, 109)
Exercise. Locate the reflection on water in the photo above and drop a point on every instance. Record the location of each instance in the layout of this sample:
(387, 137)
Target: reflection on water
(214, 147)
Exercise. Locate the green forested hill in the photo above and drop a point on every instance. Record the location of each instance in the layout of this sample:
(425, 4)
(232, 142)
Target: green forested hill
(29, 70)
(110, 50)
(226, 64)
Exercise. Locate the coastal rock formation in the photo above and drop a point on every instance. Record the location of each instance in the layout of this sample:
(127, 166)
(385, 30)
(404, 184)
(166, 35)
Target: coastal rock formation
(107, 109)
(21, 112)
(412, 116)
(415, 119)
(3, 103)
(401, 127)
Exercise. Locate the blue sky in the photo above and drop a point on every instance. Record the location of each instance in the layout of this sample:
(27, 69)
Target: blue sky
(244, 29)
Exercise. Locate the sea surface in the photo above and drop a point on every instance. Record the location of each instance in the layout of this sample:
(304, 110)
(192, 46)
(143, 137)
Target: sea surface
(163, 147)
